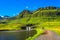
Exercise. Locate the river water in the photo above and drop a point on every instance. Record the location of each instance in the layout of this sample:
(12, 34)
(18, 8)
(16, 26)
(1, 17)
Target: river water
(12, 35)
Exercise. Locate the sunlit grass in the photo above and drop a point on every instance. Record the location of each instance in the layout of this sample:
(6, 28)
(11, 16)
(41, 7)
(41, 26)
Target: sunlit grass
(39, 31)
(53, 26)
(55, 29)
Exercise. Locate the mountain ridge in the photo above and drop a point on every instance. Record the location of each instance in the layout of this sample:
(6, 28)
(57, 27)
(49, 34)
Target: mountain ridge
(37, 17)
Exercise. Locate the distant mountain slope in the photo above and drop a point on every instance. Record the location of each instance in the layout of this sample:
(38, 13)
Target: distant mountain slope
(38, 17)
(24, 13)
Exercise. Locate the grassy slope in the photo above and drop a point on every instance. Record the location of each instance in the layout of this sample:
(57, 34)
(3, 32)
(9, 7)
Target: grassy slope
(36, 18)
(45, 21)
(51, 24)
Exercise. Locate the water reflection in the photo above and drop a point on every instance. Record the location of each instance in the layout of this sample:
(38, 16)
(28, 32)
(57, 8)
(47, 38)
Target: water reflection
(16, 35)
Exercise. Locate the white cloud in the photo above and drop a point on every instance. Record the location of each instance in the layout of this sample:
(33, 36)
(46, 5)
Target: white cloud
(26, 7)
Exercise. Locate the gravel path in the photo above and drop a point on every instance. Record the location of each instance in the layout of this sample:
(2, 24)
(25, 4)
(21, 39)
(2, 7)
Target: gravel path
(48, 35)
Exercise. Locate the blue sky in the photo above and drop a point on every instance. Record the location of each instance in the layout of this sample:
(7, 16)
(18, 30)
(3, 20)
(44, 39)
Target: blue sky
(14, 7)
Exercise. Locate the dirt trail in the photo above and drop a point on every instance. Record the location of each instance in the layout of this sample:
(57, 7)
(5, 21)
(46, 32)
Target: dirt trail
(48, 35)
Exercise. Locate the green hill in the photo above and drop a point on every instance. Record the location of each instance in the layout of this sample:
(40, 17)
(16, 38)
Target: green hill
(42, 17)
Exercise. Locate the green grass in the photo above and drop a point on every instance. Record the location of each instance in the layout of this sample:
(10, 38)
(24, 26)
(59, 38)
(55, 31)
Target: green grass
(39, 31)
(41, 18)
(52, 25)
